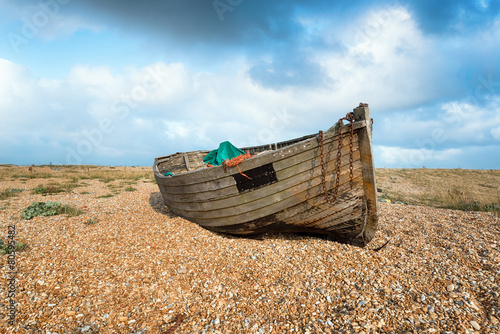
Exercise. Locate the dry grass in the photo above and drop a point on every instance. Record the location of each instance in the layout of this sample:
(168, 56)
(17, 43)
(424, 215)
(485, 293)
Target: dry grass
(66, 178)
(463, 189)
(76, 173)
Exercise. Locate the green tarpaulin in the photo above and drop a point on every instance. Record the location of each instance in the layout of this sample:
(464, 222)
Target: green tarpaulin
(225, 151)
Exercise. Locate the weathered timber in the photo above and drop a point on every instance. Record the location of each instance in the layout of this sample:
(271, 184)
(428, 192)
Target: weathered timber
(284, 192)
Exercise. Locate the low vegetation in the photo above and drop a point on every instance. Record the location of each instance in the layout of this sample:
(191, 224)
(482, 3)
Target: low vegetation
(8, 193)
(459, 189)
(105, 196)
(91, 221)
(49, 209)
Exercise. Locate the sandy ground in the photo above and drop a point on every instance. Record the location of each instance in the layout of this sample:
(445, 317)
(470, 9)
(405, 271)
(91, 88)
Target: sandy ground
(142, 270)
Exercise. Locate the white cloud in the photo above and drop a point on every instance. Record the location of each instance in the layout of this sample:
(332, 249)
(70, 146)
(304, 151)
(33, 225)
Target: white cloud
(468, 123)
(386, 60)
(458, 112)
(175, 130)
(164, 103)
(96, 81)
(392, 156)
(495, 132)
(12, 80)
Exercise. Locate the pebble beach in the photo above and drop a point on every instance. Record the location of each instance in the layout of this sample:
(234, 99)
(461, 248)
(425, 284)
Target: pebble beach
(140, 269)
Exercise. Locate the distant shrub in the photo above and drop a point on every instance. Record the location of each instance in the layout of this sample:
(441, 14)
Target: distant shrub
(55, 188)
(105, 196)
(7, 193)
(46, 190)
(70, 211)
(91, 221)
(130, 189)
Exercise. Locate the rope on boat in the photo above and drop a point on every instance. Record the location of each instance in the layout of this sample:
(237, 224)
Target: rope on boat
(236, 161)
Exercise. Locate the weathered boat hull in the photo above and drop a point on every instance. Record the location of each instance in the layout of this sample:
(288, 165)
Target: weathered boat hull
(285, 192)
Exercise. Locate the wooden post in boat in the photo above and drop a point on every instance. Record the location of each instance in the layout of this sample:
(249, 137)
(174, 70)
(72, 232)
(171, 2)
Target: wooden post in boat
(186, 161)
(362, 113)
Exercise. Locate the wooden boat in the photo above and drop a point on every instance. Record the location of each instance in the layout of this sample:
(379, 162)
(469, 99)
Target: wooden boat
(286, 187)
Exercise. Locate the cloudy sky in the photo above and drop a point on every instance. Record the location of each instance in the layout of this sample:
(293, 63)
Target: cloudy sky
(121, 82)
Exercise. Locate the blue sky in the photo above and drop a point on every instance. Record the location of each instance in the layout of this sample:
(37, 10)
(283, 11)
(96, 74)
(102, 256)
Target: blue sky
(121, 82)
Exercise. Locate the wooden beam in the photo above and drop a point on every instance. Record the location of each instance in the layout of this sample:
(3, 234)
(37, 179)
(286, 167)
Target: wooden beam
(362, 113)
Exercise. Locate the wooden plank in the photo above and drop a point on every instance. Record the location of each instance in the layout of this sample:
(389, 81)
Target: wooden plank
(277, 203)
(186, 162)
(273, 219)
(291, 185)
(348, 214)
(343, 207)
(307, 213)
(362, 113)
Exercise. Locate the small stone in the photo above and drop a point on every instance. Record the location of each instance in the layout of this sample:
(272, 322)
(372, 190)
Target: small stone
(473, 305)
(450, 288)
(493, 320)
(182, 270)
(122, 319)
(216, 321)
(453, 295)
(168, 318)
(361, 303)
(475, 325)
(105, 316)
(422, 297)
(329, 299)
(70, 313)
(51, 305)
(131, 321)
(79, 315)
